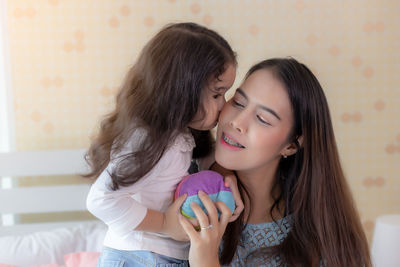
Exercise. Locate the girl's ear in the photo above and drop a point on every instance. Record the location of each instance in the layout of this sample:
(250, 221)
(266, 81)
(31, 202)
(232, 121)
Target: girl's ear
(291, 148)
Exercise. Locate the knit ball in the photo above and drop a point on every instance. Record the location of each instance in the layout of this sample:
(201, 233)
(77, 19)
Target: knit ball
(211, 183)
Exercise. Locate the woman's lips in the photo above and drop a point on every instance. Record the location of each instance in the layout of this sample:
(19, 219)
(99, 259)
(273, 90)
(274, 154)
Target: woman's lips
(230, 143)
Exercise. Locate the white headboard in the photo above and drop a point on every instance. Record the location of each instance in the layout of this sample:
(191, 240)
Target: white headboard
(40, 199)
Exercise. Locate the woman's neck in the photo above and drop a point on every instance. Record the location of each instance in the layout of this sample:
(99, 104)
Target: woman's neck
(259, 184)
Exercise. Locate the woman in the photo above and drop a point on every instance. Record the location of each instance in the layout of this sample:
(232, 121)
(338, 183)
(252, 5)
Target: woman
(276, 133)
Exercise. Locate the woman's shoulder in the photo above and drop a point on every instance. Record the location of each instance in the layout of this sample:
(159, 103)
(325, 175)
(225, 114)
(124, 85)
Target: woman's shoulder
(256, 239)
(279, 223)
(273, 233)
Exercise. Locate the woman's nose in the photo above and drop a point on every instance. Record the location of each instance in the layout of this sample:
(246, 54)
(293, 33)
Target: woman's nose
(239, 123)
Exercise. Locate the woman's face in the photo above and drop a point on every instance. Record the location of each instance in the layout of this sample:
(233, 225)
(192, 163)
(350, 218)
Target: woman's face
(254, 125)
(213, 99)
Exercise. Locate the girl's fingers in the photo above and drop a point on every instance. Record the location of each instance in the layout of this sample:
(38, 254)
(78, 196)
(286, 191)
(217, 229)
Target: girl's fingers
(230, 181)
(187, 227)
(210, 207)
(179, 201)
(178, 204)
(236, 213)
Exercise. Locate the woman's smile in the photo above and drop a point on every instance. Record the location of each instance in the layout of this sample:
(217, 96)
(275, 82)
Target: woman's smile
(230, 142)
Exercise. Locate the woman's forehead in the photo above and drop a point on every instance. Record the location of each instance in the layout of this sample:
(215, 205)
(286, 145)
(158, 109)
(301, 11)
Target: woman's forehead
(264, 89)
(262, 85)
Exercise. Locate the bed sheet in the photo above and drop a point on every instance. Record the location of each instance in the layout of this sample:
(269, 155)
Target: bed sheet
(50, 247)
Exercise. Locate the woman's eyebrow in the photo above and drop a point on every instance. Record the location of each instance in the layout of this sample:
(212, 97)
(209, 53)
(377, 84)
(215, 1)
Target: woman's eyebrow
(241, 92)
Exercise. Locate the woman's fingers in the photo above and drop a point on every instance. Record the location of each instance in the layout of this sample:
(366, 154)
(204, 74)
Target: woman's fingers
(200, 215)
(210, 207)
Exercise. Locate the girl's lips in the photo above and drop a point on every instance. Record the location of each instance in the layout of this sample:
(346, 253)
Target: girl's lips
(227, 145)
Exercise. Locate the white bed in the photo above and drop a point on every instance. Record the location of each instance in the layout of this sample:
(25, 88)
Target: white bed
(32, 244)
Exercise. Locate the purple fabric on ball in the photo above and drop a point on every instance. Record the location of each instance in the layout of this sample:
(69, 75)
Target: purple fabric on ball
(208, 181)
(211, 183)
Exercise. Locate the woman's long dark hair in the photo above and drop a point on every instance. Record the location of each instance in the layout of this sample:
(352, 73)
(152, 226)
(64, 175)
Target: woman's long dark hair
(325, 223)
(161, 94)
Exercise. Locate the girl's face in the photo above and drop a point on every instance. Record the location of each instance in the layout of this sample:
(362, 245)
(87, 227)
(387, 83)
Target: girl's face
(254, 125)
(213, 99)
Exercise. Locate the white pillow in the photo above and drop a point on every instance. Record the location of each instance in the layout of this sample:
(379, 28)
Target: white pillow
(49, 247)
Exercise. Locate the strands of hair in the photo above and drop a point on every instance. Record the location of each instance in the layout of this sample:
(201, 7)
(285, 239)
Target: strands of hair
(325, 223)
(161, 94)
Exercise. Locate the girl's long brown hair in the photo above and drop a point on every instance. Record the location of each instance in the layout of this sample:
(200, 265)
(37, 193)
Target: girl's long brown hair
(161, 94)
(325, 224)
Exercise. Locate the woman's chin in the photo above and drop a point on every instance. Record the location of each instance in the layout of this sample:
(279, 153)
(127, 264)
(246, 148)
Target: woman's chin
(224, 162)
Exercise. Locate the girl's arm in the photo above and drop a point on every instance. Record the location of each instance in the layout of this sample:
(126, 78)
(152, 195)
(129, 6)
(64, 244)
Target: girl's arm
(123, 214)
(204, 244)
(165, 222)
(122, 210)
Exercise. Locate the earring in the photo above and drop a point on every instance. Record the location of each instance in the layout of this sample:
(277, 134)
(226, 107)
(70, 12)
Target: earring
(284, 156)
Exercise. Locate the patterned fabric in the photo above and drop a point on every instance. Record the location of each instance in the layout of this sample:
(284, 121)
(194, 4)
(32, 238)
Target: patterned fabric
(137, 258)
(255, 237)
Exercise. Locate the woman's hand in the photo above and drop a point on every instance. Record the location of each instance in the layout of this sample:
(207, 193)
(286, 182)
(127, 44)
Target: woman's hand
(205, 243)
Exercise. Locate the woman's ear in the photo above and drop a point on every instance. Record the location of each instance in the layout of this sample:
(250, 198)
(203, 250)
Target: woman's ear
(300, 140)
(291, 148)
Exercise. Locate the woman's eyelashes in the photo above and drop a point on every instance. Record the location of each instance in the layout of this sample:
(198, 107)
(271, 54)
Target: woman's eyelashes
(260, 119)
(238, 104)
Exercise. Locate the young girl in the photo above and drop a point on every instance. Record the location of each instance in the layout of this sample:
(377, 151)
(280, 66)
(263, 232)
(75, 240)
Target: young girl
(170, 100)
(276, 132)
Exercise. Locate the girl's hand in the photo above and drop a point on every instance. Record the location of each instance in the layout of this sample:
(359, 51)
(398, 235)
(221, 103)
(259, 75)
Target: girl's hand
(231, 182)
(204, 244)
(171, 225)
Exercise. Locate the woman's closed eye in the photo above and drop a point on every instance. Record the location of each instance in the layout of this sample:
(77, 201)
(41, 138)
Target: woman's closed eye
(263, 121)
(237, 104)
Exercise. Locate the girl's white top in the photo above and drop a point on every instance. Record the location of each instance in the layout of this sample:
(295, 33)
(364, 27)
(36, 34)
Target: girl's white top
(124, 209)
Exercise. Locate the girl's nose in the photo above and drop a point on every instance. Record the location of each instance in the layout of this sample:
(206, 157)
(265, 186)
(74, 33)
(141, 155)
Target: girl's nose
(221, 103)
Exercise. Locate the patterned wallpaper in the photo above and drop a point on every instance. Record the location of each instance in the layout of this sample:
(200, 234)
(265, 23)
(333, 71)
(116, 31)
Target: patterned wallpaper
(68, 58)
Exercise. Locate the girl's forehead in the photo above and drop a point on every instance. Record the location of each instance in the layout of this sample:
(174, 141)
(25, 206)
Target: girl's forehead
(223, 82)
(229, 75)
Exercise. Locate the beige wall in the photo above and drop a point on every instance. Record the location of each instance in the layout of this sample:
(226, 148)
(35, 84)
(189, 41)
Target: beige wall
(69, 56)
